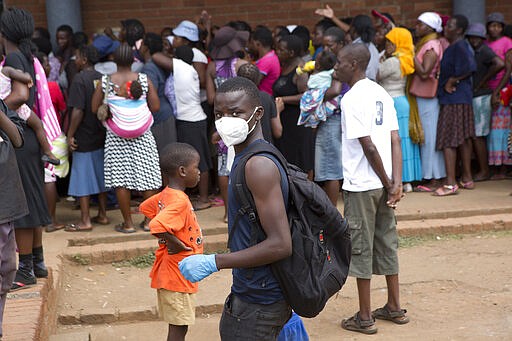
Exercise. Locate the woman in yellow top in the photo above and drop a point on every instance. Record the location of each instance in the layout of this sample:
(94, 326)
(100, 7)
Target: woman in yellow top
(396, 64)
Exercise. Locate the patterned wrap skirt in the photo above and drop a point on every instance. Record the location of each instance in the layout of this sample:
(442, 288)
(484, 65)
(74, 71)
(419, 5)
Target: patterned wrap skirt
(132, 163)
(456, 123)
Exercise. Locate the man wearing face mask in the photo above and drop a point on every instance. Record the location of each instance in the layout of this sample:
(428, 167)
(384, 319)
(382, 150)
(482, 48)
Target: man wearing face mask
(255, 292)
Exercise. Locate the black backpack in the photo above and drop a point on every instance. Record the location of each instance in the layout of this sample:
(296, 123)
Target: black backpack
(321, 247)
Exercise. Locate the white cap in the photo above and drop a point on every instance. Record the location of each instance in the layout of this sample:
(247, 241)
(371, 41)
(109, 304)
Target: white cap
(433, 20)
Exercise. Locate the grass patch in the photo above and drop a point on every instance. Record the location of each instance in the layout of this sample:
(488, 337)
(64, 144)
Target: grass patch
(412, 241)
(141, 262)
(80, 260)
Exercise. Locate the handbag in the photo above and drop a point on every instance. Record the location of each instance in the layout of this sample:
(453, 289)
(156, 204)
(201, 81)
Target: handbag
(103, 111)
(426, 88)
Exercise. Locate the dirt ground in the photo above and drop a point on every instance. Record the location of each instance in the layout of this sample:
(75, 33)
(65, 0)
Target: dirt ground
(454, 288)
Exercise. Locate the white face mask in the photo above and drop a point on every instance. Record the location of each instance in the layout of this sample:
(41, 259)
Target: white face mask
(234, 130)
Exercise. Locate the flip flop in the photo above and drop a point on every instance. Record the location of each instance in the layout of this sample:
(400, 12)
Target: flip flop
(421, 188)
(397, 317)
(97, 220)
(77, 228)
(52, 227)
(446, 190)
(20, 285)
(467, 185)
(120, 228)
(216, 202)
(355, 324)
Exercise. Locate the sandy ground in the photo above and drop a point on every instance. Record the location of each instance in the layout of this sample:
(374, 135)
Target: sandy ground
(453, 289)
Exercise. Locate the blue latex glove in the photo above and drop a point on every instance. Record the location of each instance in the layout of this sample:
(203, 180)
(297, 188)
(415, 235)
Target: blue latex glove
(196, 267)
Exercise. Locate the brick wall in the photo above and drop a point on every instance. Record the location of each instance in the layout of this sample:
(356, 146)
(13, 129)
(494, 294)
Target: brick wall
(155, 14)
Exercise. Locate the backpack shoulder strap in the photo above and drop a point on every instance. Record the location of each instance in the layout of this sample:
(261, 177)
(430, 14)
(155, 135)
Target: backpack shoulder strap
(242, 193)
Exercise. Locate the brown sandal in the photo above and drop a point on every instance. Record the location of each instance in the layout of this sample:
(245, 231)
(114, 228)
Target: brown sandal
(355, 324)
(397, 317)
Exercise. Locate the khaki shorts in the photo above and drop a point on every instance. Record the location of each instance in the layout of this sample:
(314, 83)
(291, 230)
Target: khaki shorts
(176, 308)
(373, 232)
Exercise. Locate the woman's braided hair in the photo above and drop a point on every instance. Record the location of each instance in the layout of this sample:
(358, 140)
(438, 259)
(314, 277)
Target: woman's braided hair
(17, 26)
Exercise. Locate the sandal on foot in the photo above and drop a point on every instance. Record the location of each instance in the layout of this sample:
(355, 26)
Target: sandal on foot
(23, 280)
(422, 188)
(467, 185)
(54, 227)
(397, 317)
(100, 221)
(121, 228)
(446, 190)
(76, 228)
(355, 324)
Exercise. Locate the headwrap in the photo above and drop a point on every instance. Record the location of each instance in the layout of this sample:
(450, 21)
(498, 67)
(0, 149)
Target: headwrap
(433, 20)
(402, 39)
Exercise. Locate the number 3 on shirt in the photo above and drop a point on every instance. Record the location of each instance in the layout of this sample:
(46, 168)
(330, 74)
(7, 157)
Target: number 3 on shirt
(379, 118)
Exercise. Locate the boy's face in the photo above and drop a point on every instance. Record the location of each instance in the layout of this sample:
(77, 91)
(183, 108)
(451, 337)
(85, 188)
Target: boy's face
(192, 173)
(234, 104)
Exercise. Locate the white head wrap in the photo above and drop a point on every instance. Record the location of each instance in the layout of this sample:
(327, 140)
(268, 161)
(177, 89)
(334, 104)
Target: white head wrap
(433, 20)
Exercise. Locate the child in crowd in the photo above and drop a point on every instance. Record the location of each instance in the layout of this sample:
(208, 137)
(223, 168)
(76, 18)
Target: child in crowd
(86, 138)
(55, 93)
(7, 74)
(312, 112)
(175, 225)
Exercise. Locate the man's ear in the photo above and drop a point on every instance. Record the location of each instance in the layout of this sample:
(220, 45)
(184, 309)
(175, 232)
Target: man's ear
(259, 113)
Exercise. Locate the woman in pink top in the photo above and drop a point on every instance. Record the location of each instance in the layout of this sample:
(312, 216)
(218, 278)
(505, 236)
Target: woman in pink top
(429, 53)
(500, 118)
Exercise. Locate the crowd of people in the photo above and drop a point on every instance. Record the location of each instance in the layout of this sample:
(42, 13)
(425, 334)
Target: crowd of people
(109, 109)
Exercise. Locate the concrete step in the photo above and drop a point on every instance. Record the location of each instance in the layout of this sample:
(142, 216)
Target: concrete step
(112, 237)
(73, 336)
(115, 252)
(114, 308)
(468, 224)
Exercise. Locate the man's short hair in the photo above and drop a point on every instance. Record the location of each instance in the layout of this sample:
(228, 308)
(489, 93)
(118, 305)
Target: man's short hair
(244, 85)
(360, 53)
(176, 155)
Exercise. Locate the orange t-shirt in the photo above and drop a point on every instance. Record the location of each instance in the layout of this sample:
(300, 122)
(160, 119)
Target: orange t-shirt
(171, 211)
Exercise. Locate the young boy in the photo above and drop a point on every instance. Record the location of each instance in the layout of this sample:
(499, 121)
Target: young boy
(173, 221)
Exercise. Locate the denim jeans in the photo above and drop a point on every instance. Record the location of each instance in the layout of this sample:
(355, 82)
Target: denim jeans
(250, 321)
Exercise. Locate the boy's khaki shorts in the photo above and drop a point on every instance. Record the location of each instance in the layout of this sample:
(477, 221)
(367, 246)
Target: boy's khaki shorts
(176, 308)
(373, 232)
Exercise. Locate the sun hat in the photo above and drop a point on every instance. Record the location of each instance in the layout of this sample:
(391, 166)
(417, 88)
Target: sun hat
(433, 20)
(227, 42)
(187, 29)
(476, 30)
(105, 45)
(496, 17)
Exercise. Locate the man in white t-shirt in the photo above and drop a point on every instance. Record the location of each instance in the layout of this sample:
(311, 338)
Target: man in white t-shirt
(372, 168)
